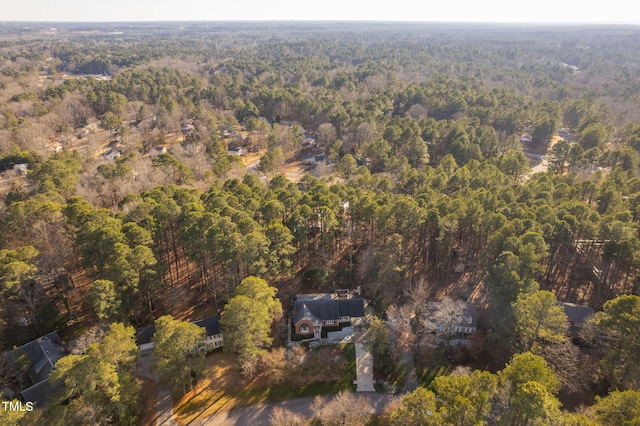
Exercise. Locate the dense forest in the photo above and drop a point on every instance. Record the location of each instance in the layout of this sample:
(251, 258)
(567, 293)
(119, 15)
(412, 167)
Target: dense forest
(494, 164)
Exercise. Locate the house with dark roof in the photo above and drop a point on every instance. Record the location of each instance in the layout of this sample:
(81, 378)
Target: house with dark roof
(213, 337)
(35, 361)
(236, 151)
(314, 159)
(112, 154)
(309, 159)
(577, 315)
(314, 312)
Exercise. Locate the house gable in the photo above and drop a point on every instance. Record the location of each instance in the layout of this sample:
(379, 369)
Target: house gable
(322, 310)
(304, 327)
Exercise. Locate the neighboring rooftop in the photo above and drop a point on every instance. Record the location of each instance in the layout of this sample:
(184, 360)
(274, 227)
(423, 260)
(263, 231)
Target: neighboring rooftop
(577, 314)
(42, 354)
(210, 324)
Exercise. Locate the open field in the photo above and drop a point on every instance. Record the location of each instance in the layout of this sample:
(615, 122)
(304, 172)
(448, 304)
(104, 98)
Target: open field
(224, 388)
(294, 171)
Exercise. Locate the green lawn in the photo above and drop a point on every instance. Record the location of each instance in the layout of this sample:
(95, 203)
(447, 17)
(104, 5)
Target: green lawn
(224, 388)
(283, 392)
(426, 375)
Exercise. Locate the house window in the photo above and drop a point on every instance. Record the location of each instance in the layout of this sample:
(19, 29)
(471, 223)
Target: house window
(345, 319)
(304, 328)
(329, 322)
(217, 344)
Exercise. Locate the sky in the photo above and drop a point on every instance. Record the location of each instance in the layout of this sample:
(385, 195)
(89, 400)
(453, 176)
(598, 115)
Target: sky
(489, 11)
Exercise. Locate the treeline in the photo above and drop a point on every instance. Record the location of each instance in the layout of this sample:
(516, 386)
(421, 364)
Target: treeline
(405, 224)
(426, 132)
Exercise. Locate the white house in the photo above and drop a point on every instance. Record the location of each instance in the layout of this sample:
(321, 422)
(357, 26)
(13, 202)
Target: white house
(157, 151)
(21, 169)
(213, 339)
(236, 151)
(112, 154)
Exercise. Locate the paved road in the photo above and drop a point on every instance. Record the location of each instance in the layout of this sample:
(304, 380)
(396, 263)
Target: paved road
(259, 414)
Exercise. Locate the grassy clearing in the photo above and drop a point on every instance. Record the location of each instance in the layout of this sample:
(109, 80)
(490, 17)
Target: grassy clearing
(223, 388)
(426, 375)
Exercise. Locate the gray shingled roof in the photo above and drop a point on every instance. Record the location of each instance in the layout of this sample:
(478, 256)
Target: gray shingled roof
(577, 314)
(210, 324)
(42, 353)
(328, 309)
(145, 334)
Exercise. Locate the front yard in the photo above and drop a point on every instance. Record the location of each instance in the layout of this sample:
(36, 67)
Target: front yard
(322, 371)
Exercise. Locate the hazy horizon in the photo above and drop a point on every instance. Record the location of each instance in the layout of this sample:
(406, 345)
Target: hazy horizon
(462, 11)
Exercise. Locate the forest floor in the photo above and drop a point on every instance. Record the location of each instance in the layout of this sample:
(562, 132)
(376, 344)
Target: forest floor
(82, 316)
(186, 300)
(147, 401)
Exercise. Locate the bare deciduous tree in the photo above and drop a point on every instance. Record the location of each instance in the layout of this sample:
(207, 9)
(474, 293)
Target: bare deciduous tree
(418, 295)
(402, 335)
(345, 409)
(327, 134)
(418, 111)
(275, 364)
(93, 335)
(442, 317)
(32, 295)
(573, 368)
(283, 417)
(297, 355)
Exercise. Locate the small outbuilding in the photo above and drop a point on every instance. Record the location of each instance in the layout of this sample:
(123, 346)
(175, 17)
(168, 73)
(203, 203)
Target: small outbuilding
(577, 315)
(112, 154)
(21, 169)
(157, 151)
